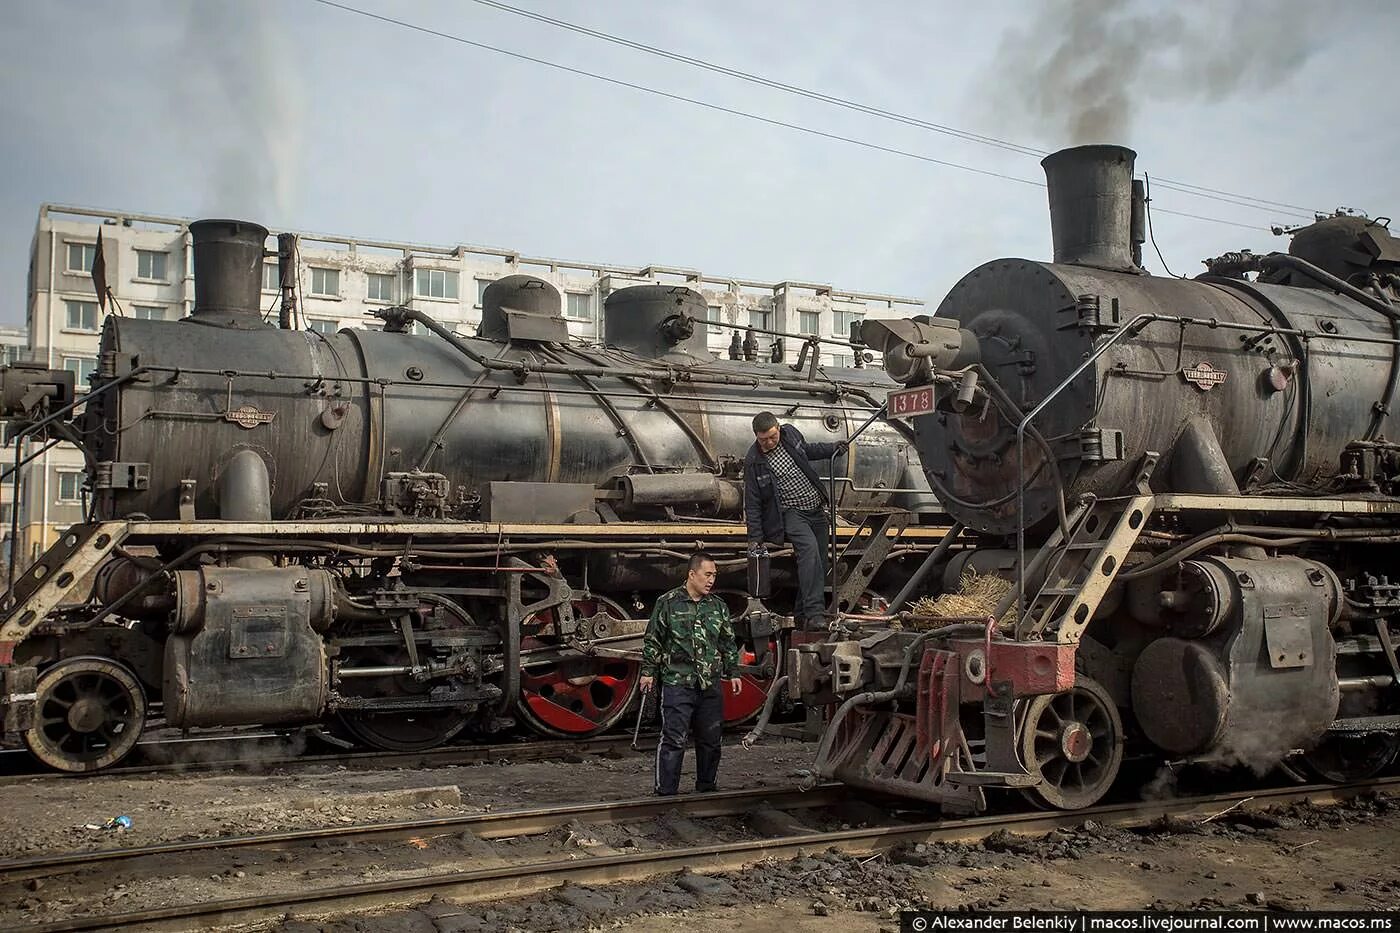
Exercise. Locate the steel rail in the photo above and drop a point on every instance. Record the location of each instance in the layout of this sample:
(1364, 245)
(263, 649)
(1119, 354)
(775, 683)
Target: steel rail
(496, 883)
(500, 824)
(440, 757)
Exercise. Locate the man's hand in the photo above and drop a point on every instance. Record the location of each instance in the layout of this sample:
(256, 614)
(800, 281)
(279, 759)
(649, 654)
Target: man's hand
(647, 683)
(735, 685)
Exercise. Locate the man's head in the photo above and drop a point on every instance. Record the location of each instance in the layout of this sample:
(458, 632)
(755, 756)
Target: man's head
(701, 576)
(766, 430)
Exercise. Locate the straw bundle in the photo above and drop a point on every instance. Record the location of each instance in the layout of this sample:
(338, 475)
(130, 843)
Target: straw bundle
(976, 595)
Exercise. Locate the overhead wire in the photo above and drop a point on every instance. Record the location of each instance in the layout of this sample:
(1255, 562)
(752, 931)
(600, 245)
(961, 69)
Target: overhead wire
(732, 111)
(1201, 191)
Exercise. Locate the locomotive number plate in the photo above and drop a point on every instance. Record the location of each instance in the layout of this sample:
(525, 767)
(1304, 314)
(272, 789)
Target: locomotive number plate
(906, 403)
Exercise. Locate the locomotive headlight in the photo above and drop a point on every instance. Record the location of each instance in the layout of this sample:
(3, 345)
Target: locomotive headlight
(914, 348)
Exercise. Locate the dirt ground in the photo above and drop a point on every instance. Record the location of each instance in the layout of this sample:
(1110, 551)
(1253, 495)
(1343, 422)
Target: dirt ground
(1299, 857)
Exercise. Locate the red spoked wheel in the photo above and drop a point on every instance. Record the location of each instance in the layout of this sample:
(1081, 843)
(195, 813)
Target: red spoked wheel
(742, 707)
(580, 696)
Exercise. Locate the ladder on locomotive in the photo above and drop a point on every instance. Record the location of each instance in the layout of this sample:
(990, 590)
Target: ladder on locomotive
(1078, 570)
(864, 553)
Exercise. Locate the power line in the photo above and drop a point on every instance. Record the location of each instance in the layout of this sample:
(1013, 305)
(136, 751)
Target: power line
(966, 135)
(767, 82)
(797, 127)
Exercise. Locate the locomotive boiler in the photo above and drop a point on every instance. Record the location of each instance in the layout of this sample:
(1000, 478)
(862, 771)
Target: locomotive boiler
(401, 533)
(1187, 488)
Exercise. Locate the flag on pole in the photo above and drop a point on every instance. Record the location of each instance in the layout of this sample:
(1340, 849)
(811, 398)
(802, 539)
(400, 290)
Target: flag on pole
(99, 273)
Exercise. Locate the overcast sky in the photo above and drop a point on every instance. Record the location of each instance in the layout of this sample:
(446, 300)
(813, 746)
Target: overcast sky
(298, 115)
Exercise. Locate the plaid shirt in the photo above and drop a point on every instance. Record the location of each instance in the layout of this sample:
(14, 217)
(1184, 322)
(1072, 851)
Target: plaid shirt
(795, 490)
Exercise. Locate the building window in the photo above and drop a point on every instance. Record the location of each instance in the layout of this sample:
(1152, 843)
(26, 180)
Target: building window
(758, 318)
(323, 327)
(481, 286)
(842, 359)
(70, 485)
(11, 353)
(841, 322)
(150, 264)
(809, 322)
(82, 315)
(712, 314)
(435, 283)
(325, 282)
(579, 306)
(81, 256)
(271, 280)
(381, 287)
(148, 312)
(82, 368)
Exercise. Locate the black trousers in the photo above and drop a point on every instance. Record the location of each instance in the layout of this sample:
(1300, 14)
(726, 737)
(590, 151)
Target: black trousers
(809, 534)
(687, 711)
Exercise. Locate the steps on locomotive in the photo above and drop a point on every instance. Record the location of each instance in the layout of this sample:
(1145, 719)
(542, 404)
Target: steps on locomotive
(864, 552)
(1079, 570)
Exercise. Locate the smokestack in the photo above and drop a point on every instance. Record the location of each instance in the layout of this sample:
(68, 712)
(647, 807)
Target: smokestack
(1091, 206)
(228, 258)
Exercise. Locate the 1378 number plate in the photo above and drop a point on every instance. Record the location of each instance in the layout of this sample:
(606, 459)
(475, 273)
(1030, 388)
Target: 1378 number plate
(906, 403)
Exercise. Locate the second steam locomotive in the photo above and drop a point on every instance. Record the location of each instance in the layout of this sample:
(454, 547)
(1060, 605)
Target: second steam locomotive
(400, 535)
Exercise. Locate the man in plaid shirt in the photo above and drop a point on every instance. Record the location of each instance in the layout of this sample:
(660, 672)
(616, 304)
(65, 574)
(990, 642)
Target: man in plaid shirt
(784, 500)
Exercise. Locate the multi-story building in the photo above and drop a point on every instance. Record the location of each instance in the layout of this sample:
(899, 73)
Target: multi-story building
(341, 281)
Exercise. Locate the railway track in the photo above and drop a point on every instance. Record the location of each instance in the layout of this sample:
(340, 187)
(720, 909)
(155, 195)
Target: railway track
(495, 871)
(264, 752)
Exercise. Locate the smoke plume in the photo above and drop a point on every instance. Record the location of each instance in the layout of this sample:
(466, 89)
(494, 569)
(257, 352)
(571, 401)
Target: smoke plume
(1079, 70)
(239, 97)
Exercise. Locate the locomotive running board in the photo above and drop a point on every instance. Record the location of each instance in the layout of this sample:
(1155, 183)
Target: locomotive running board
(43, 587)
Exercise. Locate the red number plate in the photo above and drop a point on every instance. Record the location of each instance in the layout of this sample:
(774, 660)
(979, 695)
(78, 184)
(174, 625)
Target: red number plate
(906, 403)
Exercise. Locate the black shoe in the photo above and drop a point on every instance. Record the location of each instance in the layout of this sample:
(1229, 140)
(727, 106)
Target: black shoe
(662, 793)
(706, 788)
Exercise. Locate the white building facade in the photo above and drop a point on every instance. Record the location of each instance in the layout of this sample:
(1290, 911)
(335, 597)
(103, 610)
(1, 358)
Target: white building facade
(341, 281)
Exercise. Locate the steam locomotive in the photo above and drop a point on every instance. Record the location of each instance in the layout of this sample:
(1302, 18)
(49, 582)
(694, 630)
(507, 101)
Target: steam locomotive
(1189, 491)
(401, 536)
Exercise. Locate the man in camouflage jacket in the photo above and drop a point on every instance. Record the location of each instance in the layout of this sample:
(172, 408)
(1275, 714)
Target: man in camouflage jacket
(690, 647)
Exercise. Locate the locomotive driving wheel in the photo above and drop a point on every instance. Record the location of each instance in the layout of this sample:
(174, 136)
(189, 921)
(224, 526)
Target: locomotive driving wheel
(1341, 757)
(579, 696)
(411, 730)
(88, 714)
(1073, 742)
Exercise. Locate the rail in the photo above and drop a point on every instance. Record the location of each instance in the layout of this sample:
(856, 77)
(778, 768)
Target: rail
(522, 877)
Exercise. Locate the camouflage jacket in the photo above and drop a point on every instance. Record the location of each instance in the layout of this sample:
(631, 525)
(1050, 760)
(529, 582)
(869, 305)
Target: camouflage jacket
(690, 642)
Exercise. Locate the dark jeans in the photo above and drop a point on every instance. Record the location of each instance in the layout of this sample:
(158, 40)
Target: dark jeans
(686, 711)
(809, 534)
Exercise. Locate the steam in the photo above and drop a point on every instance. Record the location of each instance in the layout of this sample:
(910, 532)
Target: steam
(239, 98)
(1079, 70)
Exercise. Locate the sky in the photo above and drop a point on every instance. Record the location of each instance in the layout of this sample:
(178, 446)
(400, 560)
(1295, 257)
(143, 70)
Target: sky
(299, 115)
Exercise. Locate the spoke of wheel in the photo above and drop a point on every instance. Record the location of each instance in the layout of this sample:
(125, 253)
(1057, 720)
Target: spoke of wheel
(1047, 734)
